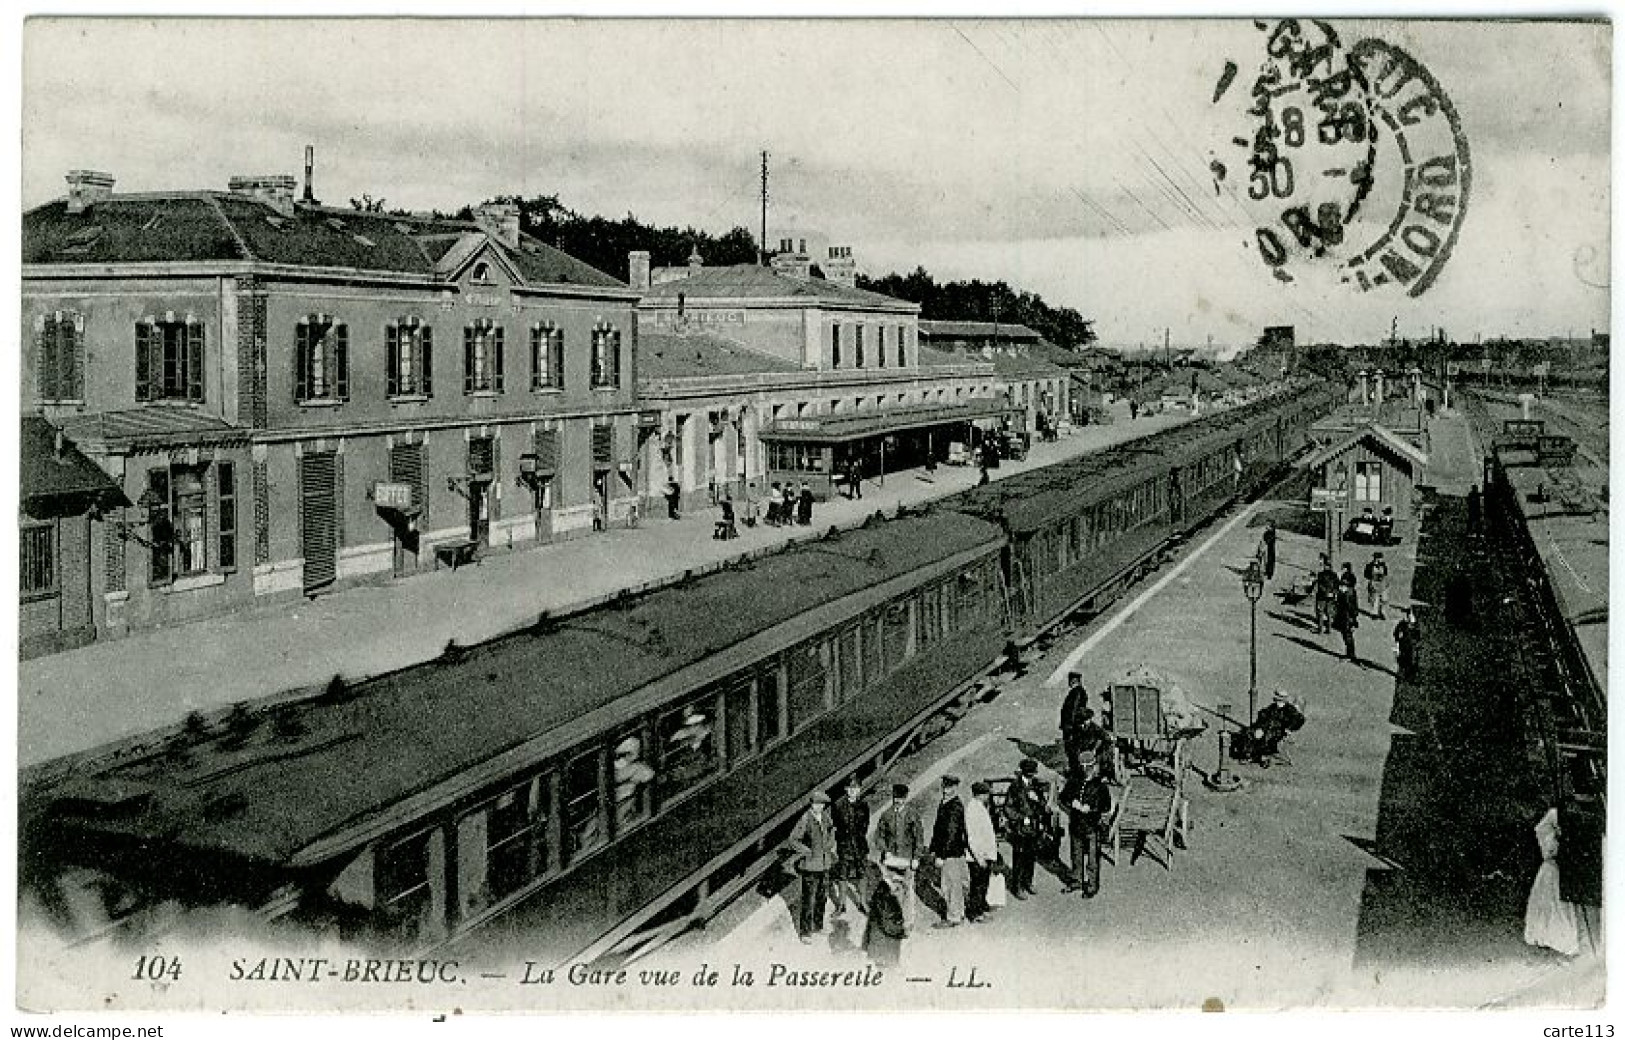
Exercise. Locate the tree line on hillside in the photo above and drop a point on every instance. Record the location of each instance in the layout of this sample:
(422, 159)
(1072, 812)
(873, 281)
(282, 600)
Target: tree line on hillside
(977, 300)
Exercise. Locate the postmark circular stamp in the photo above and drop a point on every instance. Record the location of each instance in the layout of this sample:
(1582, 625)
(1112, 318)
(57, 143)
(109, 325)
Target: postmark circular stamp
(1353, 164)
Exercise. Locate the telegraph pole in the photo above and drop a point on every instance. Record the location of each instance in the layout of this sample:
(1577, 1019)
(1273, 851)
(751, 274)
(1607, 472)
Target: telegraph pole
(763, 249)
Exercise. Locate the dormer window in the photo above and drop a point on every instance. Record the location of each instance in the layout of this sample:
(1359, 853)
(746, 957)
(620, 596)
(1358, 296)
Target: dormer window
(482, 272)
(321, 360)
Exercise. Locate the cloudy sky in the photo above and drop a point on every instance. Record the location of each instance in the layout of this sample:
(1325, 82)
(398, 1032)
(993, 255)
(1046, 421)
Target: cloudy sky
(1069, 157)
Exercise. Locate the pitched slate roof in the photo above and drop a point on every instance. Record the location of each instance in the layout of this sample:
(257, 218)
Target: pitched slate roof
(749, 281)
(52, 469)
(666, 355)
(1384, 437)
(1006, 365)
(205, 225)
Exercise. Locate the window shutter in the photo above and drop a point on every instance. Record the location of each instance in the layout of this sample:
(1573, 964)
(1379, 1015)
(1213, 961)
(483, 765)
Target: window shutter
(496, 377)
(426, 363)
(143, 361)
(341, 362)
(547, 451)
(301, 362)
(603, 446)
(615, 359)
(75, 359)
(195, 339)
(44, 333)
(392, 360)
(468, 359)
(556, 370)
(159, 526)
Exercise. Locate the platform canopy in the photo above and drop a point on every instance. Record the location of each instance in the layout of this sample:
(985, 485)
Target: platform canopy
(853, 426)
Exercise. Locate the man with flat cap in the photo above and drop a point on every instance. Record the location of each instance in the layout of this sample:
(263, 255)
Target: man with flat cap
(899, 840)
(983, 847)
(948, 847)
(851, 816)
(1025, 808)
(814, 844)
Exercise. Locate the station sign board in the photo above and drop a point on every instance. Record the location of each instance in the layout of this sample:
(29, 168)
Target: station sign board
(387, 495)
(1323, 500)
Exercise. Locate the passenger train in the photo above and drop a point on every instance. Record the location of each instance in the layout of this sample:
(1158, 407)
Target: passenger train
(591, 784)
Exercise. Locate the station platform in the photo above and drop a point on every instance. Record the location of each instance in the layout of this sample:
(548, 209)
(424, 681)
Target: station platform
(116, 690)
(1385, 863)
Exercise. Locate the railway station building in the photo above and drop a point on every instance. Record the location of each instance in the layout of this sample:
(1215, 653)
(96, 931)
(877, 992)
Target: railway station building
(289, 395)
(761, 376)
(1031, 381)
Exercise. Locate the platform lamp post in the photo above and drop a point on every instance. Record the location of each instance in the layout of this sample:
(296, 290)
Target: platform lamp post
(1252, 584)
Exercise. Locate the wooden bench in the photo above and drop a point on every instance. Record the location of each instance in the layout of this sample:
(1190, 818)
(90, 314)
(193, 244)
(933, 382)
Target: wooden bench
(456, 554)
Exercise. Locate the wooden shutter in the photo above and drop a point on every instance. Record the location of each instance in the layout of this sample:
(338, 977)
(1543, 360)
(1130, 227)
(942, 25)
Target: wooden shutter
(603, 446)
(196, 338)
(538, 359)
(547, 451)
(143, 361)
(426, 363)
(468, 359)
(158, 524)
(45, 360)
(341, 362)
(226, 474)
(481, 456)
(556, 369)
(75, 357)
(318, 484)
(392, 360)
(301, 362)
(615, 358)
(496, 360)
(406, 467)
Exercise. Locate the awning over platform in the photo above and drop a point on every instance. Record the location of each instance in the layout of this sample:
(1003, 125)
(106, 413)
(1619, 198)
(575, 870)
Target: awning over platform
(853, 426)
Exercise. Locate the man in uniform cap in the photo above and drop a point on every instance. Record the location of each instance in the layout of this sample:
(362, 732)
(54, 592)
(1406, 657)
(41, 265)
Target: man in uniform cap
(948, 847)
(1088, 803)
(1273, 722)
(1075, 712)
(1026, 806)
(814, 843)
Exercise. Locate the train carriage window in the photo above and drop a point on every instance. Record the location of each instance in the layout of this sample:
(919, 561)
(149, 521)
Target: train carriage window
(688, 747)
(1078, 534)
(740, 709)
(509, 831)
(583, 805)
(769, 708)
(898, 622)
(874, 661)
(405, 896)
(809, 670)
(852, 679)
(929, 618)
(633, 777)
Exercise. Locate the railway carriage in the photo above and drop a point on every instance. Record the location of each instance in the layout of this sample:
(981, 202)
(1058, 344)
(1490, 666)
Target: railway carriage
(598, 781)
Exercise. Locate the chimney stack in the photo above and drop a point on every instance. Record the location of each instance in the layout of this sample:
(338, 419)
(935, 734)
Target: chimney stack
(501, 221)
(637, 269)
(86, 188)
(274, 189)
(310, 171)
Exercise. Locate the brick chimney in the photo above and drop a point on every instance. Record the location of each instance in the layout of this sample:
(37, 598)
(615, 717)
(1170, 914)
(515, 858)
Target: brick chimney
(501, 221)
(637, 268)
(87, 187)
(274, 189)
